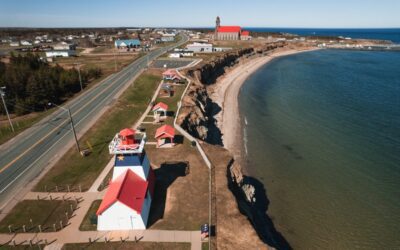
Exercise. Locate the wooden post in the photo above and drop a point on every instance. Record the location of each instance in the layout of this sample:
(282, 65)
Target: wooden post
(61, 224)
(66, 215)
(30, 220)
(40, 228)
(51, 198)
(72, 208)
(121, 239)
(68, 188)
(80, 188)
(24, 228)
(30, 243)
(90, 240)
(56, 188)
(105, 239)
(63, 198)
(45, 188)
(54, 227)
(13, 242)
(45, 241)
(38, 198)
(10, 228)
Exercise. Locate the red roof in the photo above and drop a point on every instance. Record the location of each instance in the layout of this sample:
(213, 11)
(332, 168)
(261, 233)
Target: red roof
(128, 189)
(229, 29)
(245, 33)
(170, 72)
(160, 105)
(127, 132)
(165, 131)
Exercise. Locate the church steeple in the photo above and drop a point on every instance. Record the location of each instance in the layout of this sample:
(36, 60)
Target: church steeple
(217, 25)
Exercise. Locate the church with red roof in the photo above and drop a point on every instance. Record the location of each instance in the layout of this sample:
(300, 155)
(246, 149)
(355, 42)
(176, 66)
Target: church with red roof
(229, 32)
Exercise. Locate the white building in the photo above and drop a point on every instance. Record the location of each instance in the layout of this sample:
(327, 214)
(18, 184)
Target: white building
(26, 43)
(63, 46)
(60, 53)
(200, 47)
(14, 44)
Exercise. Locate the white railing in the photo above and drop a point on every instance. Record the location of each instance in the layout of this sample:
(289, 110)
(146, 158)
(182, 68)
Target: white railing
(116, 147)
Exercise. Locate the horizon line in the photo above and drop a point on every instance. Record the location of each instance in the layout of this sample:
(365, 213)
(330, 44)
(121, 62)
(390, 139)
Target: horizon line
(181, 27)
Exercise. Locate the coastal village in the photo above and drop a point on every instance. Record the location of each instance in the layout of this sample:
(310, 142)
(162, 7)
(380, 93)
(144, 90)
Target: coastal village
(161, 167)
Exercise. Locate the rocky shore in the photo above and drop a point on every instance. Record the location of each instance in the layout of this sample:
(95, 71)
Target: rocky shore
(210, 112)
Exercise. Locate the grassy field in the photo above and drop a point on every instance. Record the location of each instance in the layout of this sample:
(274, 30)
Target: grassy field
(128, 245)
(74, 170)
(87, 224)
(42, 212)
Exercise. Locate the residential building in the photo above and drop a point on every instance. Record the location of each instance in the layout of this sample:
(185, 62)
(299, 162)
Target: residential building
(200, 47)
(128, 43)
(60, 53)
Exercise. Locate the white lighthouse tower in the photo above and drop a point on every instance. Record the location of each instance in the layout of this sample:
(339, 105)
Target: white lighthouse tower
(127, 202)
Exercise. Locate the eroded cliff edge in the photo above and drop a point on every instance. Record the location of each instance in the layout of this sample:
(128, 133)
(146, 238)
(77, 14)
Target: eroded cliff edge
(236, 193)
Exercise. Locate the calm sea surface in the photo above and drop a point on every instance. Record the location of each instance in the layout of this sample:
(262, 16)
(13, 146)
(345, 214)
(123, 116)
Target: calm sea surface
(323, 135)
(383, 34)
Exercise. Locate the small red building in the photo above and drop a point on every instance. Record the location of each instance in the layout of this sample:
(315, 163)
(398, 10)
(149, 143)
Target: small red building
(165, 136)
(171, 75)
(160, 111)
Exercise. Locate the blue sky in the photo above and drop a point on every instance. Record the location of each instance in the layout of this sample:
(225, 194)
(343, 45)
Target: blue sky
(201, 13)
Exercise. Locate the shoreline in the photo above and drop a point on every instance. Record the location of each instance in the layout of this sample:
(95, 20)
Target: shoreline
(225, 93)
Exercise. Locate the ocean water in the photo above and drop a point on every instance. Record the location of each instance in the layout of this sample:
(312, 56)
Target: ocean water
(323, 135)
(380, 34)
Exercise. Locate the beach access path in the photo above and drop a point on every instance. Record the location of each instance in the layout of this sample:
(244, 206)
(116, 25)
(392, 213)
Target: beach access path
(226, 91)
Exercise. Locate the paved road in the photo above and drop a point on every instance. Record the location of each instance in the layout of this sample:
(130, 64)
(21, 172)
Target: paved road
(23, 158)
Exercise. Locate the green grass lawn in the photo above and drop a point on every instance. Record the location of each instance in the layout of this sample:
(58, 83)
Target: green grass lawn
(87, 223)
(42, 212)
(73, 169)
(128, 245)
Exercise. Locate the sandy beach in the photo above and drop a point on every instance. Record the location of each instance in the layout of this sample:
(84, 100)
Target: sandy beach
(225, 94)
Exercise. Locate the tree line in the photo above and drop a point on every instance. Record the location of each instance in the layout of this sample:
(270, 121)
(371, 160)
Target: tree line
(32, 83)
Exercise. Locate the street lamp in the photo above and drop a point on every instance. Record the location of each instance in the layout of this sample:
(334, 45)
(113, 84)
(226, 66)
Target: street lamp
(2, 94)
(79, 73)
(72, 123)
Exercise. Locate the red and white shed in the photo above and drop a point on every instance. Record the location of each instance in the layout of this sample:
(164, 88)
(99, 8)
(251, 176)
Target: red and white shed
(165, 136)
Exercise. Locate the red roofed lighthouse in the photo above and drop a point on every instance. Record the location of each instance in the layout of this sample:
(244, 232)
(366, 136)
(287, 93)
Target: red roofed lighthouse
(126, 204)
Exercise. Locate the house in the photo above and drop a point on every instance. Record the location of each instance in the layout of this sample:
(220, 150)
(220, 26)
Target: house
(160, 111)
(200, 47)
(245, 35)
(174, 55)
(64, 46)
(60, 53)
(14, 44)
(26, 43)
(128, 43)
(165, 136)
(126, 204)
(171, 75)
(167, 39)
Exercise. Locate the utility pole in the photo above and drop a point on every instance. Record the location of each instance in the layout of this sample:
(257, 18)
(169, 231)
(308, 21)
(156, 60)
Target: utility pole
(115, 61)
(72, 124)
(2, 94)
(79, 73)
